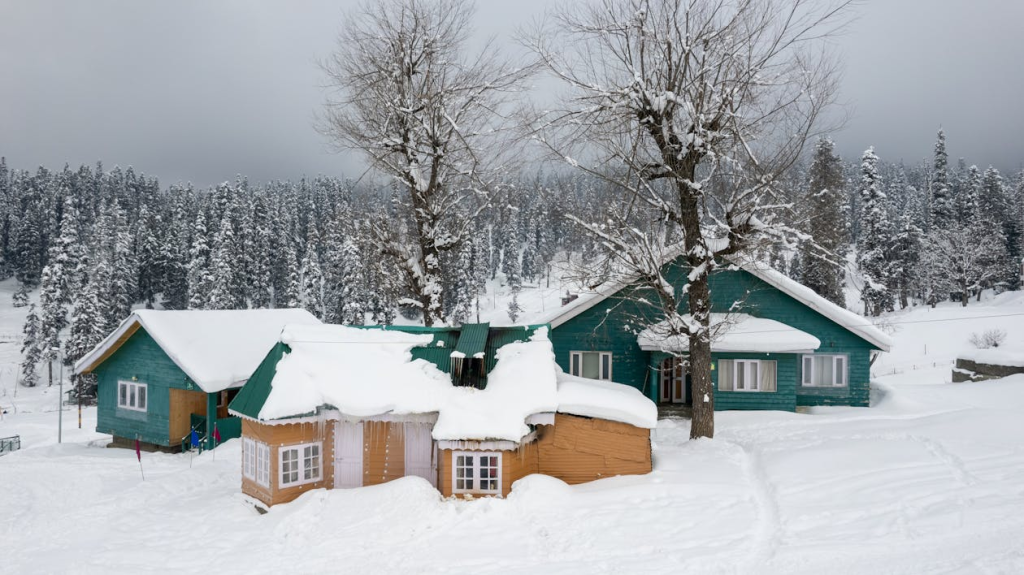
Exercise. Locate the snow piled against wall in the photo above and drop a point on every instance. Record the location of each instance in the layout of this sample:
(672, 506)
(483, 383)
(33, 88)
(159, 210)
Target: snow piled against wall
(605, 400)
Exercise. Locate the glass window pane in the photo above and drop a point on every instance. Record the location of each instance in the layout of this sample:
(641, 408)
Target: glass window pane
(142, 397)
(590, 365)
(808, 370)
(131, 396)
(606, 366)
(574, 369)
(755, 375)
(826, 371)
(819, 363)
(741, 374)
(840, 370)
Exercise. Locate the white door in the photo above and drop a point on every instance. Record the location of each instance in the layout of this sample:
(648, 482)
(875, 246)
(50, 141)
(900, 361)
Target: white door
(419, 452)
(348, 454)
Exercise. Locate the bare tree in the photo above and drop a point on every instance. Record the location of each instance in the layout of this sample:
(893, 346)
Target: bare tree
(405, 93)
(693, 109)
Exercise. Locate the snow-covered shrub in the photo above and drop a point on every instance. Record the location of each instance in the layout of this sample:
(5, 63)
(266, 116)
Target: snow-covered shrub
(990, 338)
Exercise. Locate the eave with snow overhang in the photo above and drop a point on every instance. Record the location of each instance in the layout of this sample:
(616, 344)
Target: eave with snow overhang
(735, 332)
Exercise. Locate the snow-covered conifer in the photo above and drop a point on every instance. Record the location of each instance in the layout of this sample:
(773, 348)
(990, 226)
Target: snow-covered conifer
(30, 348)
(874, 244)
(823, 259)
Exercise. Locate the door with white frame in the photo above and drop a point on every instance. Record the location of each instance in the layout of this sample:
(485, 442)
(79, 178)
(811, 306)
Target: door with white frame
(420, 454)
(348, 454)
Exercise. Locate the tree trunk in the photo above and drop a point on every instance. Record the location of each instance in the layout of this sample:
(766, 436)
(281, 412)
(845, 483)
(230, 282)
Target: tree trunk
(703, 422)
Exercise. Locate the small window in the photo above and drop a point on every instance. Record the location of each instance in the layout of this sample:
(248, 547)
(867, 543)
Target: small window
(300, 464)
(746, 375)
(591, 364)
(476, 472)
(132, 395)
(820, 370)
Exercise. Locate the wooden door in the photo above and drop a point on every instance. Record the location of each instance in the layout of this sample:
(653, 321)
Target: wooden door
(673, 381)
(348, 455)
(419, 452)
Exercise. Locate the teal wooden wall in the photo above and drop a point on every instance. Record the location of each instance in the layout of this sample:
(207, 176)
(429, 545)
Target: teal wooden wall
(142, 358)
(612, 326)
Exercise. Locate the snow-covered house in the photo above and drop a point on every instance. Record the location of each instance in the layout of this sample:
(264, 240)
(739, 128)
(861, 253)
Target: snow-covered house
(776, 344)
(162, 373)
(471, 409)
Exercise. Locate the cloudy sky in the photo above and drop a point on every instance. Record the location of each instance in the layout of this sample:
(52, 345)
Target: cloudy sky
(200, 90)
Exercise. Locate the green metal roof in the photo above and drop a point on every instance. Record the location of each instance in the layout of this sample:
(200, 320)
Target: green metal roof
(469, 339)
(472, 339)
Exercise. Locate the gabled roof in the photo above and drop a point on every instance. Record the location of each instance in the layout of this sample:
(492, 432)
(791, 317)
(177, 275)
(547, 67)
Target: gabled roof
(849, 320)
(217, 349)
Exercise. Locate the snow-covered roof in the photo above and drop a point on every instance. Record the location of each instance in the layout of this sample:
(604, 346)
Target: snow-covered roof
(605, 400)
(372, 372)
(217, 349)
(734, 332)
(849, 320)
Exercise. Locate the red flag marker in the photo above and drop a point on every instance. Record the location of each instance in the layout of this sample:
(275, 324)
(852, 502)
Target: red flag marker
(216, 433)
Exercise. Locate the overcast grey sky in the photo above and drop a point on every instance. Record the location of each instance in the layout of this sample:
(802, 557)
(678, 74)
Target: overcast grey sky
(199, 90)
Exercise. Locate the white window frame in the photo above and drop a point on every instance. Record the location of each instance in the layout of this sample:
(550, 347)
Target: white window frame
(576, 364)
(737, 364)
(248, 458)
(840, 377)
(263, 464)
(131, 395)
(256, 461)
(474, 487)
(300, 461)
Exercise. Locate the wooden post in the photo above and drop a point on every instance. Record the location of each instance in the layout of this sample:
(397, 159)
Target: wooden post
(211, 417)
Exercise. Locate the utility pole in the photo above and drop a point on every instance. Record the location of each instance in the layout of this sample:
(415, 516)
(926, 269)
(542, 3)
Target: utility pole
(60, 396)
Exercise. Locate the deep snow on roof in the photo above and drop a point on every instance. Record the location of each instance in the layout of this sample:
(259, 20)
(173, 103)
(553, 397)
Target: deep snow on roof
(734, 332)
(371, 372)
(217, 349)
(605, 400)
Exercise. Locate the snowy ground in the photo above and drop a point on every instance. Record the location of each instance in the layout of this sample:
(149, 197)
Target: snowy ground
(928, 480)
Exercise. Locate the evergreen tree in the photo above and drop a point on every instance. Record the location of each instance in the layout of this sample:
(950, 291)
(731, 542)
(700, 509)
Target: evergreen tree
(872, 256)
(312, 275)
(123, 270)
(147, 250)
(86, 320)
(291, 295)
(200, 281)
(30, 350)
(942, 197)
(823, 268)
(262, 256)
(222, 293)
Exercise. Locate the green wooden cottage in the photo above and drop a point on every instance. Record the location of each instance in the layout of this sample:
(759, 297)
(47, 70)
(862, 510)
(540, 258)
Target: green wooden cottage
(161, 374)
(777, 344)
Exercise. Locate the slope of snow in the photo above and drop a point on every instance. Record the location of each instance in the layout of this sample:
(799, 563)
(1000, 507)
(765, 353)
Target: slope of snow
(216, 348)
(734, 332)
(605, 400)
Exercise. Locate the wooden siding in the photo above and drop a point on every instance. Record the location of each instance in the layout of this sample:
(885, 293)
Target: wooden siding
(182, 405)
(383, 451)
(141, 358)
(611, 326)
(579, 449)
(278, 436)
(515, 464)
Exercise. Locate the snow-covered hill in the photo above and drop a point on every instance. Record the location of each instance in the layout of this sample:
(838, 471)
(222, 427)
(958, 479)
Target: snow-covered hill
(929, 479)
